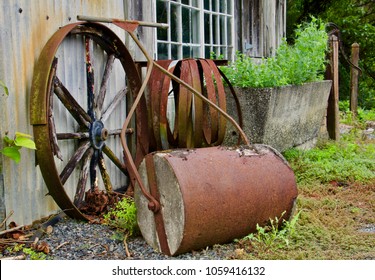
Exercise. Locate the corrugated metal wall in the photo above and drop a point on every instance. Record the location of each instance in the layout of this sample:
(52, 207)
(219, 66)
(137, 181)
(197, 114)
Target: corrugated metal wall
(25, 27)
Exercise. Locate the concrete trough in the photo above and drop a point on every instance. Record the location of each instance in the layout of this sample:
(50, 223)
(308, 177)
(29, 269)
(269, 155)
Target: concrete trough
(282, 117)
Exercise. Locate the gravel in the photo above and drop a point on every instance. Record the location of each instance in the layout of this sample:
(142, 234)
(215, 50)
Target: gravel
(368, 228)
(76, 240)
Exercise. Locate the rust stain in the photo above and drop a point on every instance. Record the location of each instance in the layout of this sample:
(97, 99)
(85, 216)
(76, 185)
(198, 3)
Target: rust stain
(226, 192)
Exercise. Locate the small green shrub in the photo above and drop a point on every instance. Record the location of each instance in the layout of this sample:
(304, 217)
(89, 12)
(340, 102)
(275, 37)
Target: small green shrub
(292, 65)
(275, 235)
(123, 217)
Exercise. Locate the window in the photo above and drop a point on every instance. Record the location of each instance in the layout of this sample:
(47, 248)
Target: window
(197, 28)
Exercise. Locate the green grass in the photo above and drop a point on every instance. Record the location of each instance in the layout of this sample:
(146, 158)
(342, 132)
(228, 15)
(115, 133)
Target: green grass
(359, 121)
(336, 185)
(342, 161)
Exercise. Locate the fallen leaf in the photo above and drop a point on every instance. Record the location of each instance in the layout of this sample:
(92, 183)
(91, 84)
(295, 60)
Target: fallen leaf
(41, 247)
(49, 229)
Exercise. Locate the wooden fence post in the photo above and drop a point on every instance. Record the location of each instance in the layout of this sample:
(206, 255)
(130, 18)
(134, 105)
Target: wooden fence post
(354, 80)
(333, 100)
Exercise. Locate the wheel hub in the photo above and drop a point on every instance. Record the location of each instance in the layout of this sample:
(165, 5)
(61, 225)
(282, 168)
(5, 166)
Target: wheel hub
(98, 134)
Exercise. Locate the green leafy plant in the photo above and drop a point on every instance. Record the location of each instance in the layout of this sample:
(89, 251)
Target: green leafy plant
(297, 64)
(275, 235)
(15, 248)
(31, 253)
(13, 145)
(123, 217)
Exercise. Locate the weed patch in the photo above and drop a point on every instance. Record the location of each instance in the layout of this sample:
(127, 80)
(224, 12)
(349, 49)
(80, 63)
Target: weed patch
(123, 217)
(336, 201)
(275, 235)
(29, 252)
(334, 161)
(328, 227)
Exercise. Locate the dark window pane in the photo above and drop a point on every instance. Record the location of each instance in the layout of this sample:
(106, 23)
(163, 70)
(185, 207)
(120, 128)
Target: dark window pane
(223, 51)
(162, 51)
(162, 34)
(174, 24)
(186, 52)
(215, 39)
(206, 4)
(222, 30)
(207, 52)
(161, 7)
(186, 25)
(207, 24)
(223, 6)
(161, 14)
(174, 52)
(185, 2)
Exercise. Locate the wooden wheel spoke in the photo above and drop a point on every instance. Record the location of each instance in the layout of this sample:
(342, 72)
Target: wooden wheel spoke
(86, 135)
(114, 103)
(104, 173)
(93, 174)
(110, 154)
(51, 119)
(83, 176)
(77, 112)
(89, 79)
(73, 162)
(72, 135)
(103, 86)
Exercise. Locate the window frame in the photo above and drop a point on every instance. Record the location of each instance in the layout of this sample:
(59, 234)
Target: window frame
(221, 39)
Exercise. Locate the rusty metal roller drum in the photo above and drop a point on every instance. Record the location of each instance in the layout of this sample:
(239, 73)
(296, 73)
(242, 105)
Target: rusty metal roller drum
(212, 195)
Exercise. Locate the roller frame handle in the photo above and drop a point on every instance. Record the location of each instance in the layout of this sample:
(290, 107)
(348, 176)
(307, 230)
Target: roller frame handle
(110, 20)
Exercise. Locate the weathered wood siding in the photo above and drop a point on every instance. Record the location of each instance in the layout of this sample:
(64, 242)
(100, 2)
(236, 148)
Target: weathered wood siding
(262, 24)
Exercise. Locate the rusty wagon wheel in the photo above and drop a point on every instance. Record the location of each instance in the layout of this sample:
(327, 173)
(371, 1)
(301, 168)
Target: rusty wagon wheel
(84, 81)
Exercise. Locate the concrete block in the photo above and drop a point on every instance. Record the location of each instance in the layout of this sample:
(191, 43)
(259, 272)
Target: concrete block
(282, 117)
